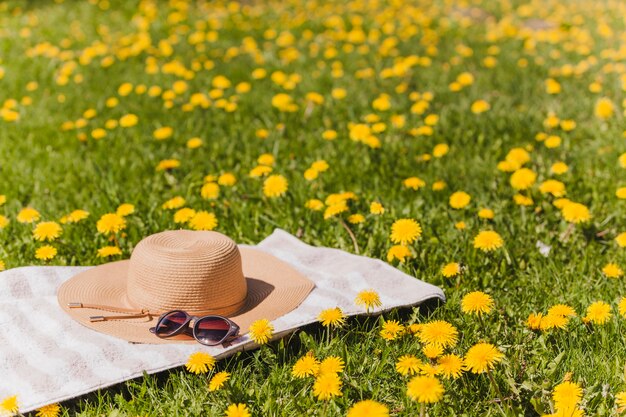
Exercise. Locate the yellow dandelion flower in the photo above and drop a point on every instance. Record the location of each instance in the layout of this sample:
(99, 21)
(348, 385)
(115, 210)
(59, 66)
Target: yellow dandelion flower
(260, 171)
(320, 165)
(450, 366)
(163, 133)
(408, 365)
(332, 317)
(28, 215)
(47, 231)
(227, 179)
(554, 187)
(612, 270)
(109, 251)
(598, 312)
(329, 134)
(562, 310)
(200, 363)
(477, 302)
(459, 200)
(399, 252)
(482, 357)
(523, 178)
(173, 203)
(405, 231)
(432, 351)
(552, 141)
(45, 253)
(438, 332)
(203, 220)
(210, 191)
(369, 299)
(307, 365)
(566, 395)
(266, 159)
(332, 364)
(620, 401)
(391, 329)
(440, 150)
(184, 215)
(4, 221)
(559, 168)
(167, 164)
(429, 369)
(327, 386)
(125, 209)
(533, 321)
(479, 106)
(275, 186)
(218, 380)
(314, 204)
(237, 410)
(261, 331)
(2, 265)
(356, 218)
(451, 269)
(376, 208)
(9, 405)
(368, 408)
(522, 200)
(425, 389)
(111, 223)
(194, 143)
(335, 209)
(51, 410)
(439, 185)
(575, 213)
(486, 213)
(604, 108)
(77, 215)
(129, 120)
(622, 307)
(488, 240)
(414, 183)
(553, 321)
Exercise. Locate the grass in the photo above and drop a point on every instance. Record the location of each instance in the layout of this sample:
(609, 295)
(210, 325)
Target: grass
(56, 171)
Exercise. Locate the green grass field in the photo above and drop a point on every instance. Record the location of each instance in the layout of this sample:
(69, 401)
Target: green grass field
(401, 85)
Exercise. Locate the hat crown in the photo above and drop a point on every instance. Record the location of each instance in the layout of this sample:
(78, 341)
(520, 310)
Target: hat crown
(196, 271)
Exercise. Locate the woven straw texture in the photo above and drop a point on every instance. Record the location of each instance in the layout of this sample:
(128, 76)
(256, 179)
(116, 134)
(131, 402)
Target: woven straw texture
(47, 357)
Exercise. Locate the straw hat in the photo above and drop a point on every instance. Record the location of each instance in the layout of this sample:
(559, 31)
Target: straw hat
(203, 273)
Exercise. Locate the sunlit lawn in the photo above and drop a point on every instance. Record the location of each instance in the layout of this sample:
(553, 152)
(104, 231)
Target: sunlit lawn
(407, 103)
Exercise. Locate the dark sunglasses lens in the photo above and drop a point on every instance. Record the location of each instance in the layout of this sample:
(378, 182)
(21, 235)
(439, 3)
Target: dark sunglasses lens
(171, 323)
(211, 330)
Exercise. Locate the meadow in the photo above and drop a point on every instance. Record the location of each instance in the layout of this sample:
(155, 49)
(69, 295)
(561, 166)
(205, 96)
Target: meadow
(477, 145)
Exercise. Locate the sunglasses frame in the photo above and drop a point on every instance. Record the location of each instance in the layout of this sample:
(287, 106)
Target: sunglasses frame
(232, 332)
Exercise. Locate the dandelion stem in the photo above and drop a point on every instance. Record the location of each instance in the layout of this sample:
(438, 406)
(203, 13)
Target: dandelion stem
(345, 226)
(481, 321)
(493, 382)
(567, 232)
(422, 410)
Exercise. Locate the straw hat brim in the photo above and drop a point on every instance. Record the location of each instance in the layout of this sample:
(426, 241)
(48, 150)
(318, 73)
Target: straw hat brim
(274, 289)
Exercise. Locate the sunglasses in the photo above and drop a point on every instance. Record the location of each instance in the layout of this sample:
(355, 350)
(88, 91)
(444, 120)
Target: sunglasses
(208, 330)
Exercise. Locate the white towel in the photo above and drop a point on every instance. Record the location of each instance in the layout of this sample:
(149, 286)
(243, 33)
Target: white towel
(47, 357)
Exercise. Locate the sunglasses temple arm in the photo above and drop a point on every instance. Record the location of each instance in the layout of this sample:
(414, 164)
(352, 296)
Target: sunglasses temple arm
(105, 318)
(136, 313)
